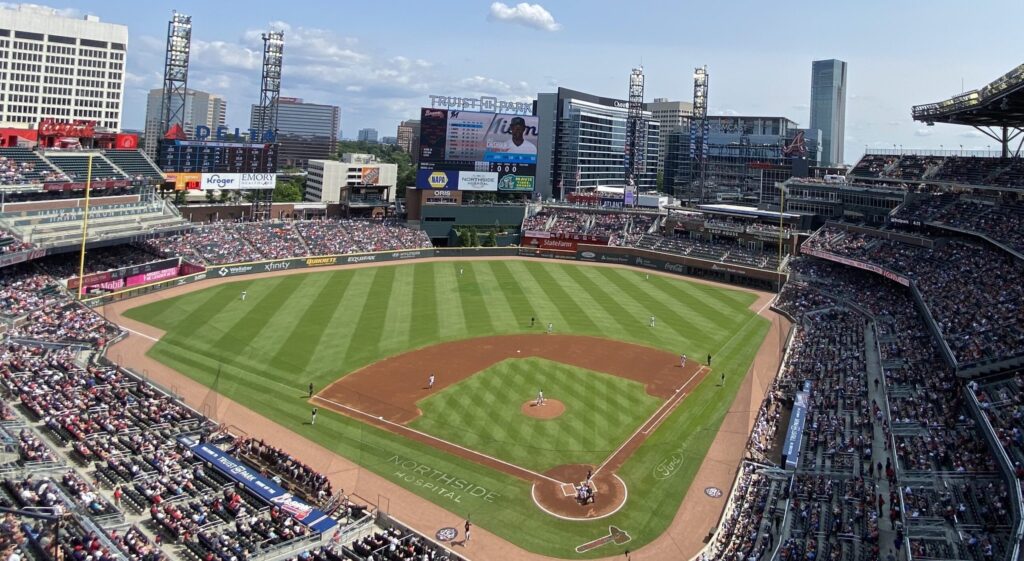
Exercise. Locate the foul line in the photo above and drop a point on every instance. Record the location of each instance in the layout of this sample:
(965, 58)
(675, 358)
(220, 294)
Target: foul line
(402, 427)
(662, 411)
(153, 339)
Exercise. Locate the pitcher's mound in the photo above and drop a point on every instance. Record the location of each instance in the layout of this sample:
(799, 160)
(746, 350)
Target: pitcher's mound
(552, 408)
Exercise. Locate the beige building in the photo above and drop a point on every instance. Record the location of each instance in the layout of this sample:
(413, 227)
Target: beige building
(201, 108)
(55, 67)
(671, 115)
(357, 180)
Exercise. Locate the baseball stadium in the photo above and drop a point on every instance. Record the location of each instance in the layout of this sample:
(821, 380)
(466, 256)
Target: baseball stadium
(833, 369)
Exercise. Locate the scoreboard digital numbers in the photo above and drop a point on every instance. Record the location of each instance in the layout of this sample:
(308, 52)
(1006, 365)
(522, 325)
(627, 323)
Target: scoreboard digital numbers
(192, 156)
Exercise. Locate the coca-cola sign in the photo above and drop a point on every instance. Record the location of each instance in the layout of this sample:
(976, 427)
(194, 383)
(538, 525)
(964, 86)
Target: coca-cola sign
(76, 128)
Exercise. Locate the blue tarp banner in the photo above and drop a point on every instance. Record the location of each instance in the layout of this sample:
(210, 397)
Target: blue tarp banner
(238, 471)
(794, 434)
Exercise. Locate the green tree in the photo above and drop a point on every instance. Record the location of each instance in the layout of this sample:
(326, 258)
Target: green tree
(491, 240)
(288, 190)
(474, 237)
(180, 197)
(464, 239)
(209, 196)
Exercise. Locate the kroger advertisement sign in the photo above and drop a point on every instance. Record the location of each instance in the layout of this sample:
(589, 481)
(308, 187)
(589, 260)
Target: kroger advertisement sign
(237, 181)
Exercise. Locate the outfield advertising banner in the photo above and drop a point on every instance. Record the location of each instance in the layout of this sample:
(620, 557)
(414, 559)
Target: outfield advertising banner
(237, 181)
(478, 181)
(437, 180)
(152, 276)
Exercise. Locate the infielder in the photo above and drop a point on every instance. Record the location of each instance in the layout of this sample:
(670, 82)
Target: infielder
(430, 381)
(682, 361)
(540, 398)
(551, 327)
(312, 419)
(652, 321)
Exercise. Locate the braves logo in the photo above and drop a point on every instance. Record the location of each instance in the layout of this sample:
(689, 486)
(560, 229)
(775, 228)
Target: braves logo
(446, 534)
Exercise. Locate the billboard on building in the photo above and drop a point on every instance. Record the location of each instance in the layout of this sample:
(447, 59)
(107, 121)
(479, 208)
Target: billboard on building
(370, 176)
(222, 181)
(489, 151)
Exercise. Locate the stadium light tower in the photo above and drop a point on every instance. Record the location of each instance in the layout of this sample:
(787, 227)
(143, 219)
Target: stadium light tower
(179, 44)
(636, 138)
(270, 94)
(270, 84)
(699, 125)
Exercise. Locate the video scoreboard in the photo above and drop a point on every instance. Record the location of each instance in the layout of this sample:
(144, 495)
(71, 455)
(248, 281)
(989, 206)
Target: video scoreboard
(196, 156)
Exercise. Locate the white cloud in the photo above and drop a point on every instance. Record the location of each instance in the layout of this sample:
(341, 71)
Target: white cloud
(42, 9)
(529, 15)
(923, 132)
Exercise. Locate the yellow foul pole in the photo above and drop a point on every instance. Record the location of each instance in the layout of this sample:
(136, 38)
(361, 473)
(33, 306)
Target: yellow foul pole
(85, 230)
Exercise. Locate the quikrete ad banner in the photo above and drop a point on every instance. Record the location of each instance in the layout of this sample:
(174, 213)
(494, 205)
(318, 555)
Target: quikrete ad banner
(238, 471)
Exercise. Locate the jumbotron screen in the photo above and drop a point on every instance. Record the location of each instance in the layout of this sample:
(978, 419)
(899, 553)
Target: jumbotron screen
(471, 151)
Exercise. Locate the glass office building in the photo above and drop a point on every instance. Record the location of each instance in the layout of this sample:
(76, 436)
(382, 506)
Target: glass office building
(582, 143)
(305, 131)
(828, 107)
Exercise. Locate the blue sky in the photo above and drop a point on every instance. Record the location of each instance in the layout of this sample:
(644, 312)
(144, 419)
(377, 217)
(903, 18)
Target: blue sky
(379, 60)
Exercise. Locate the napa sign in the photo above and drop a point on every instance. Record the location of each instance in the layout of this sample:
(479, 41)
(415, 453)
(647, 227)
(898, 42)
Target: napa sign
(223, 134)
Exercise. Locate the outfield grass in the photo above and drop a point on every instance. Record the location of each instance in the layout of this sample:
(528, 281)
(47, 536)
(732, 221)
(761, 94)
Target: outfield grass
(297, 329)
(483, 413)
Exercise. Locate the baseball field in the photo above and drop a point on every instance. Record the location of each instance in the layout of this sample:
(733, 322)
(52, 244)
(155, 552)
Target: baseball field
(618, 402)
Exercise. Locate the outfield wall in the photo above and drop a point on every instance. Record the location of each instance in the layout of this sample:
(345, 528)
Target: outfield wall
(644, 259)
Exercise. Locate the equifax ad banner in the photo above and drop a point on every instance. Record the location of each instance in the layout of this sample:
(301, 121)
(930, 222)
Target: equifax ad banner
(251, 479)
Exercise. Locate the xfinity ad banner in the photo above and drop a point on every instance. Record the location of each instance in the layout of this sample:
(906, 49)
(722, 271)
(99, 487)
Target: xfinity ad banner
(251, 479)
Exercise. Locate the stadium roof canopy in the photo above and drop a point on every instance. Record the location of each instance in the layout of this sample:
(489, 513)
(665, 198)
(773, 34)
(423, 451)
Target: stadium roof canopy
(999, 104)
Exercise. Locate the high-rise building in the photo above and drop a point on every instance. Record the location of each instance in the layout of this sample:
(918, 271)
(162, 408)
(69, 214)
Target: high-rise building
(201, 109)
(367, 135)
(305, 131)
(744, 157)
(61, 68)
(389, 140)
(671, 115)
(581, 144)
(409, 138)
(828, 107)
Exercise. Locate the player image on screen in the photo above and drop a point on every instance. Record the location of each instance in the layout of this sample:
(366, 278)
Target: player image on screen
(516, 143)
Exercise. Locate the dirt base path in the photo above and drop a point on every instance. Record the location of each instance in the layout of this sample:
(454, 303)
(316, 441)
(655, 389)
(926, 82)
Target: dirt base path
(682, 539)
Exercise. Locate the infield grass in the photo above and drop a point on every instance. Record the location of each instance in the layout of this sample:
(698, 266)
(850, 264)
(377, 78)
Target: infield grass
(483, 413)
(316, 327)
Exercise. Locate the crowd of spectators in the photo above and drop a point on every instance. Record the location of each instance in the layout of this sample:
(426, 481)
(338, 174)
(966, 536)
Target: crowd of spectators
(236, 242)
(311, 484)
(965, 286)
(1001, 221)
(11, 244)
(724, 251)
(97, 260)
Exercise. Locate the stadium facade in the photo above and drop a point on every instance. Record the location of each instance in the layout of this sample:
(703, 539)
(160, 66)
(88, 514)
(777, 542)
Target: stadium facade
(61, 68)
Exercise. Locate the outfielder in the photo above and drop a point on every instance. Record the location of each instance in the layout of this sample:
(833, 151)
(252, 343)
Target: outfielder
(652, 321)
(244, 293)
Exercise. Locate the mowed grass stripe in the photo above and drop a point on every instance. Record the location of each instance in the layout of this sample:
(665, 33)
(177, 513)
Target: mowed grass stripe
(451, 321)
(513, 291)
(629, 321)
(398, 318)
(299, 347)
(576, 316)
(340, 330)
(540, 300)
(707, 299)
(685, 310)
(693, 337)
(474, 305)
(369, 331)
(502, 316)
(423, 308)
(606, 323)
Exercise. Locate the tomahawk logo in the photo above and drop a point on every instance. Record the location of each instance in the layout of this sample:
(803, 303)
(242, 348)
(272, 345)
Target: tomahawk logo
(615, 535)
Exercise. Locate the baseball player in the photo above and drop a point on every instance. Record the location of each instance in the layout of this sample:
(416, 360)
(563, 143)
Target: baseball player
(312, 419)
(460, 271)
(430, 381)
(551, 327)
(468, 526)
(652, 321)
(682, 361)
(532, 321)
(540, 398)
(311, 389)
(244, 293)
(709, 359)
